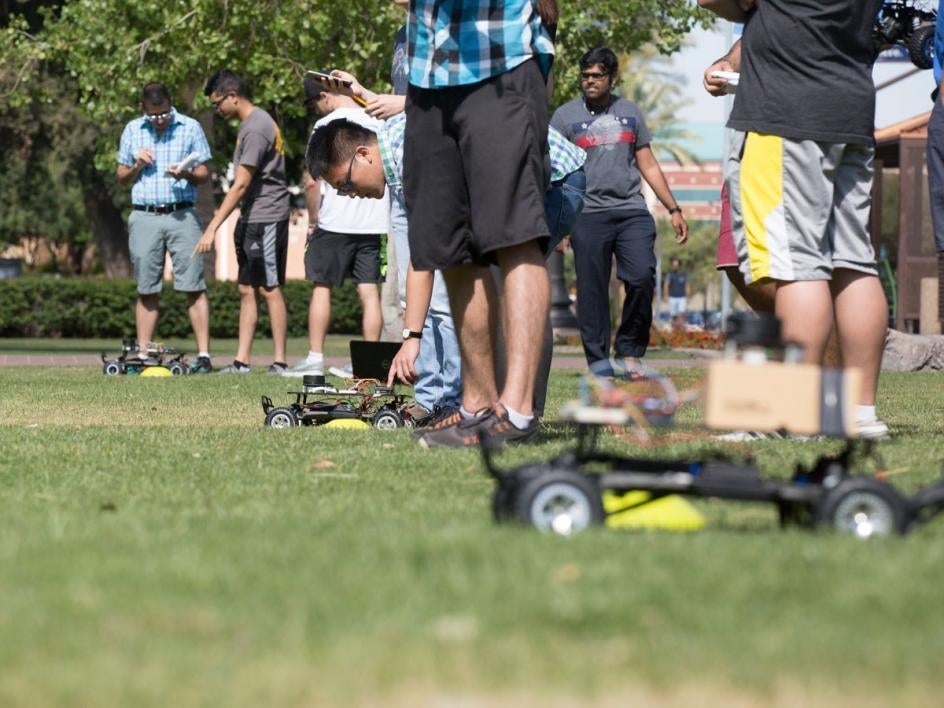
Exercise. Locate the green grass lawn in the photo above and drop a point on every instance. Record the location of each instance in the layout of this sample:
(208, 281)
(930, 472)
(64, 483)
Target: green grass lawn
(159, 547)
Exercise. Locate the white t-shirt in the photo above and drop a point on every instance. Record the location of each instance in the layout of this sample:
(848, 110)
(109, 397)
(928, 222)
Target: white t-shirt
(347, 215)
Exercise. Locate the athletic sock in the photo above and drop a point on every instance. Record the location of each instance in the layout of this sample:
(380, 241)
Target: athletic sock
(517, 419)
(315, 358)
(465, 414)
(864, 413)
(203, 355)
(240, 364)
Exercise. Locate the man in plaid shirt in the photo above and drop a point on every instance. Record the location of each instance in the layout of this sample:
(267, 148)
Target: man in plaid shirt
(163, 155)
(475, 169)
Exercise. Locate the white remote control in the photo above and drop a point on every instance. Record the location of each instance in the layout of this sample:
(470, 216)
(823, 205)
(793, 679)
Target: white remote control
(731, 77)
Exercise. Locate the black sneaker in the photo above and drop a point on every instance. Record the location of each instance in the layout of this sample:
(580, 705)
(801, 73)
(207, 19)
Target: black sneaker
(435, 416)
(202, 365)
(448, 417)
(237, 367)
(492, 423)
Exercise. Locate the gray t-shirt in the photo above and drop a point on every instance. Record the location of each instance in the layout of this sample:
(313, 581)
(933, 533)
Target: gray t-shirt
(259, 145)
(610, 136)
(806, 71)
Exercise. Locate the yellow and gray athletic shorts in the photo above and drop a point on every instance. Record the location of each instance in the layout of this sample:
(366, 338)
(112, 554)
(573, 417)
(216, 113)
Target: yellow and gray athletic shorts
(799, 208)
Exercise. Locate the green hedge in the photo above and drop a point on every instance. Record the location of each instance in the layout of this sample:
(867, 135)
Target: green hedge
(33, 306)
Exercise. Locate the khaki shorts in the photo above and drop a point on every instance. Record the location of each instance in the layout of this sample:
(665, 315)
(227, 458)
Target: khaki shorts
(799, 208)
(151, 235)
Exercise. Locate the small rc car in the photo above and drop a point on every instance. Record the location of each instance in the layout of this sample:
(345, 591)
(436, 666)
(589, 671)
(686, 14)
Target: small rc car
(904, 24)
(319, 402)
(130, 361)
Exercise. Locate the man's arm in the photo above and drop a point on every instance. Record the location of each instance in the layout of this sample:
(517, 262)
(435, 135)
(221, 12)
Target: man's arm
(128, 174)
(734, 10)
(652, 173)
(312, 200)
(419, 291)
(236, 191)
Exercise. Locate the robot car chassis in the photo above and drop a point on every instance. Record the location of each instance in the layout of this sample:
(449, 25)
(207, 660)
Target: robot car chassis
(128, 362)
(318, 403)
(563, 495)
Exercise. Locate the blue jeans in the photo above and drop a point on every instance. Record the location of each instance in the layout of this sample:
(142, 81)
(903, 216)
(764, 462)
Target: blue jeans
(438, 365)
(563, 203)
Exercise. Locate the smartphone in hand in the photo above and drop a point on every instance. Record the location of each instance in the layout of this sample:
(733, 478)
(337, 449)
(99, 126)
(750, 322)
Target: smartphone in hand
(328, 80)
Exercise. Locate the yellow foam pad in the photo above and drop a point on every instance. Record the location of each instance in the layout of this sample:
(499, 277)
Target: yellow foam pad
(156, 371)
(638, 510)
(347, 424)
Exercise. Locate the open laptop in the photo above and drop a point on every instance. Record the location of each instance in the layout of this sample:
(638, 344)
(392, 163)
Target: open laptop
(371, 360)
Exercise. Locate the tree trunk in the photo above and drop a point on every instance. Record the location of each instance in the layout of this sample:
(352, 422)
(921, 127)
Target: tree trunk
(109, 230)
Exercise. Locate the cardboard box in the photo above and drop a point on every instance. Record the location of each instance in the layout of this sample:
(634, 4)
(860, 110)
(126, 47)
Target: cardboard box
(796, 398)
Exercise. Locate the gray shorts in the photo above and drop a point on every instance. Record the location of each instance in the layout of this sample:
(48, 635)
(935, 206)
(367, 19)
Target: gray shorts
(177, 233)
(799, 208)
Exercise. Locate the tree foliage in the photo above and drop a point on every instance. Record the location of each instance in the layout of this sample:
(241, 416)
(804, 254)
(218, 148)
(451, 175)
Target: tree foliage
(100, 53)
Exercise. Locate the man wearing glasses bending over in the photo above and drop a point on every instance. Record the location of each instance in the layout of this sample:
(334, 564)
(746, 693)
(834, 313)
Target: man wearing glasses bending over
(163, 155)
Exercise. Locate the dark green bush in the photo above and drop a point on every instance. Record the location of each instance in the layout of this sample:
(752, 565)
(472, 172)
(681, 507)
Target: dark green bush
(36, 306)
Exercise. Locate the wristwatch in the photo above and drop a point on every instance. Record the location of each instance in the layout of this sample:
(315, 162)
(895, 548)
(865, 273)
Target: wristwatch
(410, 334)
(675, 210)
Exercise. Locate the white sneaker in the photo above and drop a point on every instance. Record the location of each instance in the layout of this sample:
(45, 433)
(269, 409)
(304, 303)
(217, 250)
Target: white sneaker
(304, 368)
(872, 429)
(342, 372)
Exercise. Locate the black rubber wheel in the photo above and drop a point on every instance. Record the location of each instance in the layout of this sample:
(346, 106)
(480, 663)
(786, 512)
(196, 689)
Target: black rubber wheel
(921, 45)
(387, 419)
(561, 501)
(864, 507)
(113, 368)
(502, 502)
(281, 418)
(176, 368)
(796, 514)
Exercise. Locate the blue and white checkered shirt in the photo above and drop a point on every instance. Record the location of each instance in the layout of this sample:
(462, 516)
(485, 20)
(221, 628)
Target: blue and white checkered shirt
(457, 42)
(181, 137)
(565, 156)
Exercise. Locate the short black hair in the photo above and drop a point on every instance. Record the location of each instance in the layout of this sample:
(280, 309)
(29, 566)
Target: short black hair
(225, 81)
(334, 142)
(602, 56)
(313, 89)
(676, 260)
(154, 94)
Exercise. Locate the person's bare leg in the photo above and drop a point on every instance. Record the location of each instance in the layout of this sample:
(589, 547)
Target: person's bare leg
(760, 298)
(248, 316)
(372, 319)
(524, 307)
(199, 311)
(278, 319)
(862, 320)
(145, 318)
(472, 295)
(319, 316)
(805, 309)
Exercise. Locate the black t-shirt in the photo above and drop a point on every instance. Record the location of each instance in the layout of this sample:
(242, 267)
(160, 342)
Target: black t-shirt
(806, 71)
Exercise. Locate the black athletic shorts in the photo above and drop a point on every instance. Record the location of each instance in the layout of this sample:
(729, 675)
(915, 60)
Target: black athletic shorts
(476, 168)
(261, 252)
(331, 257)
